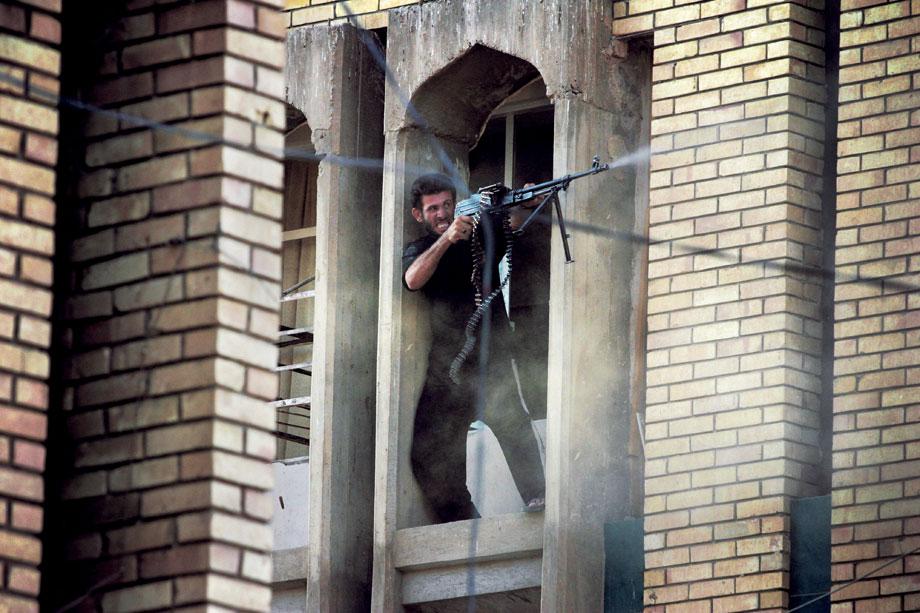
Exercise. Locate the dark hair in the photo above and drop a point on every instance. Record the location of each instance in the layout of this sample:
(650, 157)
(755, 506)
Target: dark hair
(433, 183)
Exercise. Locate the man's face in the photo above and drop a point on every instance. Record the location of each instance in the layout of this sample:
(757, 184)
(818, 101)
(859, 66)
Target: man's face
(436, 213)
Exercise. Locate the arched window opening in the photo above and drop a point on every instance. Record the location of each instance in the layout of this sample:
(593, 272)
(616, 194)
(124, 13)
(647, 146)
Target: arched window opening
(298, 261)
(489, 113)
(516, 147)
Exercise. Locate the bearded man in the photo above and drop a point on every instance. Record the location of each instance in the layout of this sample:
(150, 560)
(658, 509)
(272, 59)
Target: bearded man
(440, 265)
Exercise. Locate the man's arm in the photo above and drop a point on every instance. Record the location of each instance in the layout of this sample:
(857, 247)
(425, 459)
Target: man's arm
(421, 270)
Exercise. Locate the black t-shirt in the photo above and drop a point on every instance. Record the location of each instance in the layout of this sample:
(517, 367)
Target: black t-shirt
(451, 293)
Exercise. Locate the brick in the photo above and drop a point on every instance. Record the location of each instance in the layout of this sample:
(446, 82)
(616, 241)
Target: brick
(116, 271)
(904, 27)
(743, 602)
(158, 51)
(203, 14)
(23, 298)
(139, 598)
(21, 51)
(53, 6)
(109, 450)
(246, 165)
(27, 237)
(312, 14)
(119, 149)
(272, 22)
(257, 567)
(147, 535)
(237, 593)
(118, 210)
(10, 140)
(152, 172)
(240, 531)
(45, 27)
(20, 547)
(667, 484)
(190, 75)
(24, 580)
(19, 484)
(29, 455)
(182, 437)
(143, 414)
(148, 233)
(176, 498)
(623, 26)
(13, 18)
(175, 561)
(161, 108)
(254, 47)
(40, 148)
(123, 88)
(146, 352)
(39, 209)
(26, 175)
(34, 331)
(862, 36)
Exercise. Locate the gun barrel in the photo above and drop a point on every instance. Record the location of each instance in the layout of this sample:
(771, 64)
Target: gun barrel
(471, 205)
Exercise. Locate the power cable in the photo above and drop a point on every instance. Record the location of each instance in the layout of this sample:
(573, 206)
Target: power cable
(843, 586)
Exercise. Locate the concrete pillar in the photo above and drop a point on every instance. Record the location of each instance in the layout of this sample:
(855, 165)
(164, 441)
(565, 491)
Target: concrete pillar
(404, 335)
(335, 83)
(588, 410)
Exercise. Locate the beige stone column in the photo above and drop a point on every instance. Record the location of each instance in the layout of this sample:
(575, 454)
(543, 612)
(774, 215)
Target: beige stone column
(404, 339)
(588, 410)
(345, 114)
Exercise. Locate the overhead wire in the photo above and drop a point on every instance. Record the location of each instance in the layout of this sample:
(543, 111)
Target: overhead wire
(843, 586)
(685, 247)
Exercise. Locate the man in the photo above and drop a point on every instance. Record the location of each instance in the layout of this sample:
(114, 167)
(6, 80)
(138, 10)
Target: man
(440, 265)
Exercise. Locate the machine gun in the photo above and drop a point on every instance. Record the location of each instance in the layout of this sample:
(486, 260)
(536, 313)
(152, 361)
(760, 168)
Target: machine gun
(498, 198)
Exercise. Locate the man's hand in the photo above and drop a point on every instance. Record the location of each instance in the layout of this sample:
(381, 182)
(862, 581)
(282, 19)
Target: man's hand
(529, 204)
(461, 229)
(520, 213)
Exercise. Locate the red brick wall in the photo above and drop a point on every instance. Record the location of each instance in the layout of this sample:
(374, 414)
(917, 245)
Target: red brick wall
(171, 309)
(876, 479)
(29, 70)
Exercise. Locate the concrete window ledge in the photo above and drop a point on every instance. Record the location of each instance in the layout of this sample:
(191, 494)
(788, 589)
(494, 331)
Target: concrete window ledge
(434, 561)
(289, 566)
(289, 580)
